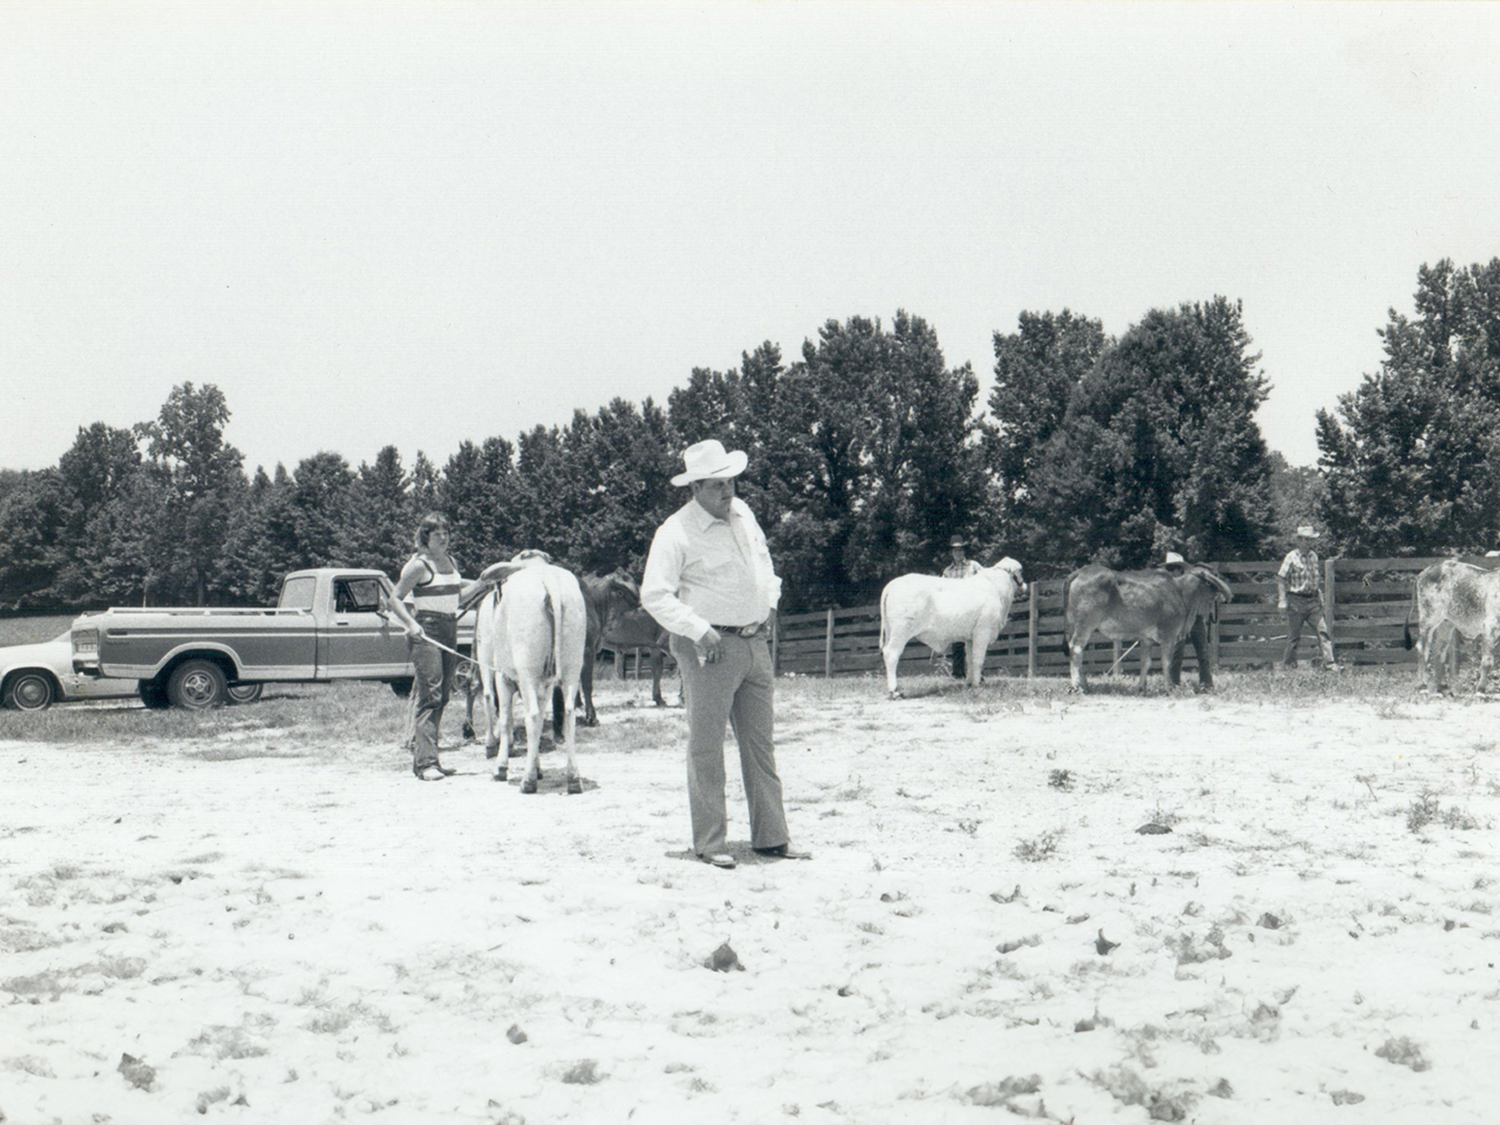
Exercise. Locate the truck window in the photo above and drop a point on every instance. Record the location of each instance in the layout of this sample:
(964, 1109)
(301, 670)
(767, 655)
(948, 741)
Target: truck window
(298, 593)
(356, 595)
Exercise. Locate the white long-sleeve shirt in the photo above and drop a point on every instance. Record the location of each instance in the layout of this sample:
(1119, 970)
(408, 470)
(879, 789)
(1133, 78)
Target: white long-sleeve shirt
(705, 571)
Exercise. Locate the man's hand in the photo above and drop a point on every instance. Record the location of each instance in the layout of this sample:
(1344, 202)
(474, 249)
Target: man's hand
(1281, 605)
(712, 644)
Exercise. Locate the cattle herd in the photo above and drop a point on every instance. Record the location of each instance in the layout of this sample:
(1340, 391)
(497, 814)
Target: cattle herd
(543, 636)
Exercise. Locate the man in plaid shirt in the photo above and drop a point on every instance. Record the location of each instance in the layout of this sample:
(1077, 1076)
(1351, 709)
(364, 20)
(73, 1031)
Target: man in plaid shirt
(1298, 597)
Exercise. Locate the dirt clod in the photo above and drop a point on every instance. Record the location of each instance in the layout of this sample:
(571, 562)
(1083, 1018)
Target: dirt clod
(1153, 829)
(137, 1073)
(1269, 921)
(585, 1072)
(1403, 1052)
(516, 1035)
(723, 959)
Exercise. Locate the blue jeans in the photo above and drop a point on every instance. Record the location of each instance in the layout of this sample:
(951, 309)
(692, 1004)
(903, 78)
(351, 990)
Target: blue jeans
(1301, 608)
(433, 682)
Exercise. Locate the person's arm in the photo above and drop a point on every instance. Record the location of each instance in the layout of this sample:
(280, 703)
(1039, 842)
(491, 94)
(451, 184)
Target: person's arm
(1286, 565)
(410, 573)
(659, 587)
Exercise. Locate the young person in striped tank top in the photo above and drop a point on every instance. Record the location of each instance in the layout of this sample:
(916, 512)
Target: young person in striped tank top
(430, 580)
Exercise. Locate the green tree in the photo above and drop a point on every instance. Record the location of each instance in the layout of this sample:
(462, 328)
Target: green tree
(98, 471)
(476, 495)
(1037, 369)
(1159, 446)
(1411, 458)
(33, 516)
(205, 483)
(322, 510)
(381, 536)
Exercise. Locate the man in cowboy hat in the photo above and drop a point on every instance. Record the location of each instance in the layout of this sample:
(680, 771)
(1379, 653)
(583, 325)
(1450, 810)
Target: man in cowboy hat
(710, 583)
(1175, 565)
(1298, 596)
(960, 567)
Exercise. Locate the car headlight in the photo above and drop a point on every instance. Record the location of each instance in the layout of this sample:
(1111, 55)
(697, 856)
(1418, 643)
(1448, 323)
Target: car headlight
(86, 642)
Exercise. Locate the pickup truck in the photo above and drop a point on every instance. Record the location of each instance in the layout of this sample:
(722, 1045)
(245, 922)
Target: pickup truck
(329, 624)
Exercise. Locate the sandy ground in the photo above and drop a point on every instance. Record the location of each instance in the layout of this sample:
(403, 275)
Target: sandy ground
(284, 933)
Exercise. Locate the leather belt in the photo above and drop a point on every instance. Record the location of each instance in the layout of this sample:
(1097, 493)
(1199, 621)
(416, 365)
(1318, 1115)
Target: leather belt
(741, 630)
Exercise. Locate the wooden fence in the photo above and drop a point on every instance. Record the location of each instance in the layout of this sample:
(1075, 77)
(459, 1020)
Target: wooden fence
(1367, 601)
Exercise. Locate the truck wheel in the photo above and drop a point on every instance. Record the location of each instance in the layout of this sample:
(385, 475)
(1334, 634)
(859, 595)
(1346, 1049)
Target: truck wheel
(402, 688)
(466, 677)
(244, 693)
(29, 691)
(197, 685)
(153, 694)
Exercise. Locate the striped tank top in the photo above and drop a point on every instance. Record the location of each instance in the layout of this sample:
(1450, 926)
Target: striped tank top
(439, 594)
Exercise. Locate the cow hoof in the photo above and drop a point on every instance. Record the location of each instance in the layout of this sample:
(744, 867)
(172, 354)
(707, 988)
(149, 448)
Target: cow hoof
(500, 774)
(529, 785)
(574, 785)
(591, 721)
(897, 695)
(492, 751)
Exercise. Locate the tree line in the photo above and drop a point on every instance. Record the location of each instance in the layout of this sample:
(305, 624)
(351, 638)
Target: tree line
(867, 452)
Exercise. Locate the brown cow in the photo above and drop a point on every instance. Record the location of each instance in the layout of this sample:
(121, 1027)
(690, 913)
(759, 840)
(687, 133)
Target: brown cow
(638, 629)
(608, 599)
(1136, 605)
(1449, 597)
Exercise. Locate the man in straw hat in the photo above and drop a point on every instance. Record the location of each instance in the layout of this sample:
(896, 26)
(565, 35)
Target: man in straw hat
(1298, 596)
(960, 567)
(710, 583)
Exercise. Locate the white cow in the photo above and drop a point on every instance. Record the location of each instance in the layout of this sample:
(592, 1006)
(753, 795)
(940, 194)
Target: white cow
(940, 611)
(530, 640)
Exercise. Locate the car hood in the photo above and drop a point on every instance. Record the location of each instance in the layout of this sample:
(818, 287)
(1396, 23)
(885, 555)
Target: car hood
(47, 654)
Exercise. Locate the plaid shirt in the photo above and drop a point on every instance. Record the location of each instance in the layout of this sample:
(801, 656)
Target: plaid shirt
(962, 570)
(1300, 569)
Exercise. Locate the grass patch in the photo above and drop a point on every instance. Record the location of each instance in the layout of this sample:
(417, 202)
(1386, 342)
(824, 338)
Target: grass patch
(1427, 809)
(1038, 848)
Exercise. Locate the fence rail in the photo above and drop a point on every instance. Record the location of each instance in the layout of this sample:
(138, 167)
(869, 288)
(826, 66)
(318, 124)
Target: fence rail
(1367, 602)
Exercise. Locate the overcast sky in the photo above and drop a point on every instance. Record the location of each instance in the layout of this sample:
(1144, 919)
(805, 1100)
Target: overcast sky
(415, 223)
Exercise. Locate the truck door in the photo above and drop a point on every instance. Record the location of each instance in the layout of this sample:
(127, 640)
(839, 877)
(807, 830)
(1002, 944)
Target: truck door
(363, 642)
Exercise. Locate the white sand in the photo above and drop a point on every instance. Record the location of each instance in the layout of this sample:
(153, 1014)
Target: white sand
(324, 938)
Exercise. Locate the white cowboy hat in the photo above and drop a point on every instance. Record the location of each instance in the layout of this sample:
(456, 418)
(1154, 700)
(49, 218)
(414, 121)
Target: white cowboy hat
(1307, 531)
(1173, 559)
(708, 460)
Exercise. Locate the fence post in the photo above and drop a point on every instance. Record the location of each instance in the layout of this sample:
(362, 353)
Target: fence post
(828, 647)
(1031, 635)
(1330, 609)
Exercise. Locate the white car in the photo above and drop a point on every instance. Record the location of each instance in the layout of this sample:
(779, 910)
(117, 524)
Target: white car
(35, 676)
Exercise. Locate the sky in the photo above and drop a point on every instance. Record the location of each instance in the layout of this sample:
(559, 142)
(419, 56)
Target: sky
(413, 224)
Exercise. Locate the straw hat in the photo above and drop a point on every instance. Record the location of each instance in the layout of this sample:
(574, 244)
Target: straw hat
(708, 460)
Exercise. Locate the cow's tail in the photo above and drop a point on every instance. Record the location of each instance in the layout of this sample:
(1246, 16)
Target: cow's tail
(554, 610)
(1410, 610)
(885, 625)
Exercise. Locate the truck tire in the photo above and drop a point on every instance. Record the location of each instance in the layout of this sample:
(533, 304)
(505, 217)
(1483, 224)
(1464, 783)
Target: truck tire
(197, 685)
(153, 694)
(402, 687)
(244, 693)
(30, 691)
